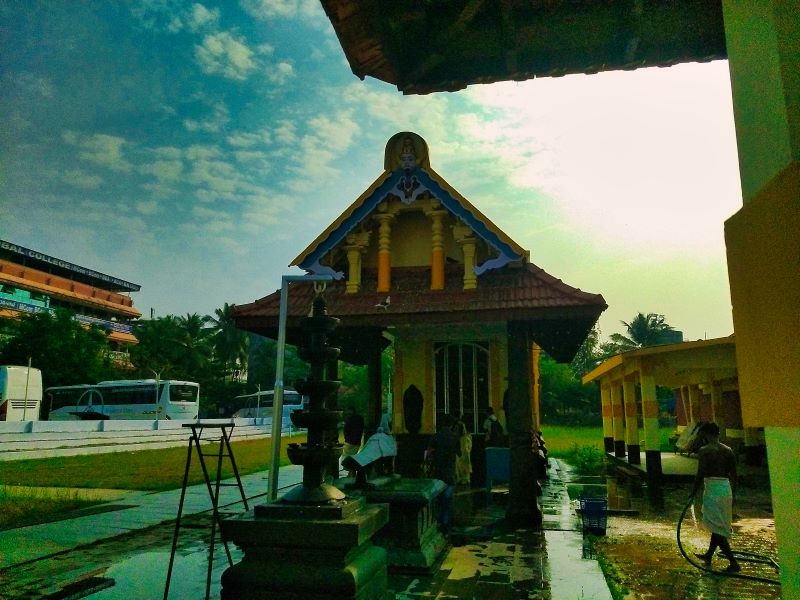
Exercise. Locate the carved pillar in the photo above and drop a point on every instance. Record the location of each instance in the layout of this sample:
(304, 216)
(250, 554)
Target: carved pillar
(437, 249)
(355, 248)
(466, 240)
(384, 249)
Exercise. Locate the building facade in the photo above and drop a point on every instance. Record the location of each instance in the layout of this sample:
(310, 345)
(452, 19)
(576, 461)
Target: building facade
(33, 282)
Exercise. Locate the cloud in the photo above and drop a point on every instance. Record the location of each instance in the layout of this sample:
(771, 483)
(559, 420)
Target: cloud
(213, 124)
(283, 9)
(225, 54)
(100, 149)
(248, 139)
(201, 17)
(163, 170)
(81, 179)
(147, 207)
(280, 73)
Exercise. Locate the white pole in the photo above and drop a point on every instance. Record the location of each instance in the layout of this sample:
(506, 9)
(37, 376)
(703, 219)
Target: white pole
(27, 381)
(277, 398)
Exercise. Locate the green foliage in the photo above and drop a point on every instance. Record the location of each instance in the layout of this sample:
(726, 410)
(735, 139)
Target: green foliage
(20, 508)
(263, 356)
(564, 400)
(66, 352)
(643, 330)
(587, 460)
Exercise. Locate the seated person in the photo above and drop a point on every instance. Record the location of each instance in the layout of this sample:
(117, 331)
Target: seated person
(377, 454)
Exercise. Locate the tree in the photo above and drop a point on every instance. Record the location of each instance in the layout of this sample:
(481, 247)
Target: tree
(194, 341)
(66, 352)
(643, 330)
(157, 350)
(230, 343)
(588, 355)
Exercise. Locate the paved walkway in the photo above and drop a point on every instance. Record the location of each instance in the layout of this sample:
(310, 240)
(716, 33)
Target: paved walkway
(487, 560)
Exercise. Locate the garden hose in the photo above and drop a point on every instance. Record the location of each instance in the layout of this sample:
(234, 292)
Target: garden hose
(743, 556)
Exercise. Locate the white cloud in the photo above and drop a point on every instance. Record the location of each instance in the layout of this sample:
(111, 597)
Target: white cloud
(163, 170)
(201, 17)
(147, 207)
(225, 54)
(280, 73)
(248, 139)
(82, 179)
(213, 124)
(100, 149)
(284, 9)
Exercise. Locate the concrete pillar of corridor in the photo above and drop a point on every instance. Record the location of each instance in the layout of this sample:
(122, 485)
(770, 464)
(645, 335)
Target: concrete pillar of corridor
(763, 44)
(717, 410)
(608, 422)
(652, 440)
(631, 420)
(695, 397)
(618, 419)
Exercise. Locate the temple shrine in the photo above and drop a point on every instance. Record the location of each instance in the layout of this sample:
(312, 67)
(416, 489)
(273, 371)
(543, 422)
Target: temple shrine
(415, 264)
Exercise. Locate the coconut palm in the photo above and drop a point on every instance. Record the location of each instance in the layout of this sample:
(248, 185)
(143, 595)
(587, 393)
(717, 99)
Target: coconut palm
(643, 330)
(230, 344)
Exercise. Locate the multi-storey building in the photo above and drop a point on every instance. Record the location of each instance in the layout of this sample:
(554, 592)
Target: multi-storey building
(33, 282)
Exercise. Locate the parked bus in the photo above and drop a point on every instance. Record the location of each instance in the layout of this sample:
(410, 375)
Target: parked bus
(126, 399)
(259, 406)
(20, 393)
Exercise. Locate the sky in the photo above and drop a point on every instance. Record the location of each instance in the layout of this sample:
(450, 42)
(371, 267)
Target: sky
(197, 148)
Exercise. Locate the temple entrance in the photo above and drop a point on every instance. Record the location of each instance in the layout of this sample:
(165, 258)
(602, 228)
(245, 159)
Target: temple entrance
(461, 372)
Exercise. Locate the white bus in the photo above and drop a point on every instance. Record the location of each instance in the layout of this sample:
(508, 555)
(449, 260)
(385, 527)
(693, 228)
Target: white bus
(259, 406)
(20, 393)
(125, 399)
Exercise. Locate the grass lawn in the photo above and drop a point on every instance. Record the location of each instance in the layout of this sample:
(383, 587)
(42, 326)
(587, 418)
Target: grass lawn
(560, 439)
(158, 469)
(19, 509)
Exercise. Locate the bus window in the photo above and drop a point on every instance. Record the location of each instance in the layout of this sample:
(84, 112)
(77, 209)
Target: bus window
(182, 393)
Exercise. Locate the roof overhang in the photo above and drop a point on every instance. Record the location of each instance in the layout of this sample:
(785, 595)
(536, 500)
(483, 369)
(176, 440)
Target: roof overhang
(423, 47)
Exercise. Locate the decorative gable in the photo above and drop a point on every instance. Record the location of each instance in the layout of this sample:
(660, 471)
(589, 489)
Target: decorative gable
(409, 217)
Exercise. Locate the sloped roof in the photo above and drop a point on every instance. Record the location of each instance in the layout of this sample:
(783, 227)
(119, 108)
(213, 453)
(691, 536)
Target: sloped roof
(424, 47)
(397, 181)
(558, 315)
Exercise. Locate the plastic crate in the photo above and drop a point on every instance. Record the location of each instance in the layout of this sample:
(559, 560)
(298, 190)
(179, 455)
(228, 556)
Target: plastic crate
(594, 514)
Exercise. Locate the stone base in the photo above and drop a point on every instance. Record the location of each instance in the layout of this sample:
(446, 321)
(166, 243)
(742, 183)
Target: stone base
(412, 538)
(634, 454)
(291, 555)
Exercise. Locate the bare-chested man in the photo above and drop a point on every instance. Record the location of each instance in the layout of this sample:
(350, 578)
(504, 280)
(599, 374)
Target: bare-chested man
(716, 470)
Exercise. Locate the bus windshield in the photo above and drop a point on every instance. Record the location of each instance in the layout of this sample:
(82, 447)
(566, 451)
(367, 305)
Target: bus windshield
(182, 392)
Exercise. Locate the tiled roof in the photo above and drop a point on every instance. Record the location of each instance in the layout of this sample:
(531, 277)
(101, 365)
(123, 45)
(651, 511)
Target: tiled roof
(527, 294)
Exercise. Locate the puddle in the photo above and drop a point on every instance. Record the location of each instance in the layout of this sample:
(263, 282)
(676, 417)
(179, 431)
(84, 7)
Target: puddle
(143, 575)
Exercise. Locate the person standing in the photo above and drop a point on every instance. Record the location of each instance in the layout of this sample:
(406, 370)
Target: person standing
(444, 449)
(353, 433)
(493, 429)
(464, 461)
(716, 470)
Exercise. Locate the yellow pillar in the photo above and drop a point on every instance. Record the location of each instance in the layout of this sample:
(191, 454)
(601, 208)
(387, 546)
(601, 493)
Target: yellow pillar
(384, 252)
(652, 440)
(618, 419)
(437, 250)
(631, 420)
(355, 248)
(463, 235)
(608, 423)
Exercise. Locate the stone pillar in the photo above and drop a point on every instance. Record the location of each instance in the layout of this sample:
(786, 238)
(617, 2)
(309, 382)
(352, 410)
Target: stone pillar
(437, 249)
(536, 353)
(608, 423)
(523, 506)
(631, 420)
(384, 250)
(617, 415)
(652, 440)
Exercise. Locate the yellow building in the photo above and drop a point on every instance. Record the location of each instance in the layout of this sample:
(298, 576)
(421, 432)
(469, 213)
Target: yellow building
(416, 264)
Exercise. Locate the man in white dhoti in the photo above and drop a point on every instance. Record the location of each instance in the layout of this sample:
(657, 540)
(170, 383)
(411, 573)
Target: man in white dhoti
(716, 470)
(379, 451)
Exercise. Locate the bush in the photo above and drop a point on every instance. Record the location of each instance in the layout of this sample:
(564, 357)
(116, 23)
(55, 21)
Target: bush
(587, 460)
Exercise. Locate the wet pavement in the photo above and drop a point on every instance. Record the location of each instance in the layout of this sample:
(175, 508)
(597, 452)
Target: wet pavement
(124, 551)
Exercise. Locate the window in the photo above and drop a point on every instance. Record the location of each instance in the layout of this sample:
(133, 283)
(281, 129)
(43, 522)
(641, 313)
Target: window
(461, 375)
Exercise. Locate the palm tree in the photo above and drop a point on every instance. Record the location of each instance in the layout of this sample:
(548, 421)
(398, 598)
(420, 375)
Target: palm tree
(195, 343)
(230, 344)
(643, 330)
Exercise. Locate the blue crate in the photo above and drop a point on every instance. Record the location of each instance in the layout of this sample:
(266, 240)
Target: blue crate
(594, 514)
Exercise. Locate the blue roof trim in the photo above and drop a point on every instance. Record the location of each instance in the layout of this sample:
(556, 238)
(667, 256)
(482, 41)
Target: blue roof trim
(448, 201)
